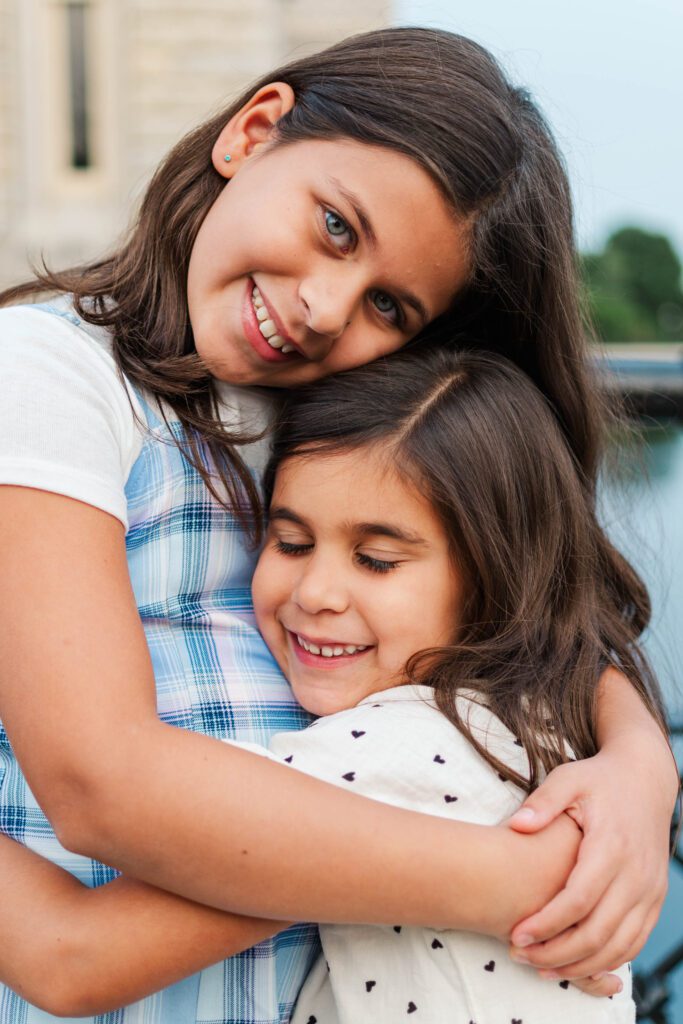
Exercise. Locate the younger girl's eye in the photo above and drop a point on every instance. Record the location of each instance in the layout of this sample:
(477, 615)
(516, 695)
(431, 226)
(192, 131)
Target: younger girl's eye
(388, 307)
(376, 564)
(339, 230)
(287, 548)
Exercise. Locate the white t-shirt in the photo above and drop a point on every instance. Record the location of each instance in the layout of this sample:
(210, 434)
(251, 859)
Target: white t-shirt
(69, 422)
(397, 747)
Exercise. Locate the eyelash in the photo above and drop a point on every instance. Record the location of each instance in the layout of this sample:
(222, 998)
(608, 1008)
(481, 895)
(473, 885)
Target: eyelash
(376, 564)
(367, 561)
(398, 315)
(285, 548)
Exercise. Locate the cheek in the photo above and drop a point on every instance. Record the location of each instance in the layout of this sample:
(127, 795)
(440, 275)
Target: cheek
(267, 590)
(364, 343)
(405, 632)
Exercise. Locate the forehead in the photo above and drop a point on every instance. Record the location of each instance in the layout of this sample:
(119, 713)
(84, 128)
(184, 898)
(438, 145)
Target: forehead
(340, 491)
(419, 236)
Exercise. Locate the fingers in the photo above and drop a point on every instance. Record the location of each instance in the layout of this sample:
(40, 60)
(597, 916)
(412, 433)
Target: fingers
(592, 948)
(557, 794)
(607, 985)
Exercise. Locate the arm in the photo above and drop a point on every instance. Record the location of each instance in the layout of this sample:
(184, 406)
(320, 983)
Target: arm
(113, 779)
(74, 951)
(623, 799)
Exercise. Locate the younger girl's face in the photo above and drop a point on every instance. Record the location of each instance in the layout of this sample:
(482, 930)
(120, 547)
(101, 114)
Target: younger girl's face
(319, 256)
(355, 577)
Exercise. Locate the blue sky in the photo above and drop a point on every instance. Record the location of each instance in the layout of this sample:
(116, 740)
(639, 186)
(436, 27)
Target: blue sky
(609, 76)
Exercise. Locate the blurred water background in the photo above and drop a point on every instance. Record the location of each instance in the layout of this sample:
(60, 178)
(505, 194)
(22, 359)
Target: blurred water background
(642, 501)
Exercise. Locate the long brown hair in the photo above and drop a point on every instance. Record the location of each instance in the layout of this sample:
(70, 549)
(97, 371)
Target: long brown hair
(541, 619)
(442, 100)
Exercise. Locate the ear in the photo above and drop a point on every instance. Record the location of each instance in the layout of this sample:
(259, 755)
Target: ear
(252, 126)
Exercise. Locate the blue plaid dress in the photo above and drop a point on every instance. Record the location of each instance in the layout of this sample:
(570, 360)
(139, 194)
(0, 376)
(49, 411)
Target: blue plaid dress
(191, 572)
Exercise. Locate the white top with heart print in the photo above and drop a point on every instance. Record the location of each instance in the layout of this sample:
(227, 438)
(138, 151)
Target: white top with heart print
(397, 747)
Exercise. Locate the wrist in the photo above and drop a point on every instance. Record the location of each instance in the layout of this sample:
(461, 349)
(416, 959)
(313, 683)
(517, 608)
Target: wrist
(542, 863)
(651, 751)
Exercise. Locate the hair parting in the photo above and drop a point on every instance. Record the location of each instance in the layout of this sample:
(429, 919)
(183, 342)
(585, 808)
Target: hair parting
(542, 617)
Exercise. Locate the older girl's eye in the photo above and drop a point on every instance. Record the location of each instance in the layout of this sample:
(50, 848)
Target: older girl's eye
(376, 564)
(338, 230)
(388, 307)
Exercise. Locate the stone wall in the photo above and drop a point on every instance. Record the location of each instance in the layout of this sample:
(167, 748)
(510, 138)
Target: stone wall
(155, 69)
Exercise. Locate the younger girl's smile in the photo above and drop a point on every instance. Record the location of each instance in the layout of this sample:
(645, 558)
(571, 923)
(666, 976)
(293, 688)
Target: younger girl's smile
(356, 576)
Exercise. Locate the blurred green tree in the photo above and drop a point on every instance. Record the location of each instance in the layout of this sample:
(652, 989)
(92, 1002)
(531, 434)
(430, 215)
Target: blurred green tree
(633, 288)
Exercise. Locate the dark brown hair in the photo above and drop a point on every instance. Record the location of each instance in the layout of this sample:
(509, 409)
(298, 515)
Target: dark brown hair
(541, 618)
(442, 100)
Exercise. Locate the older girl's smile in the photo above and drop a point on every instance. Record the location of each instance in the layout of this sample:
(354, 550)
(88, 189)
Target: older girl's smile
(327, 277)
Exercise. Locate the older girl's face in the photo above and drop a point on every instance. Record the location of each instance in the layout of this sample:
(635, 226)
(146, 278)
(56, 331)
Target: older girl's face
(319, 256)
(355, 577)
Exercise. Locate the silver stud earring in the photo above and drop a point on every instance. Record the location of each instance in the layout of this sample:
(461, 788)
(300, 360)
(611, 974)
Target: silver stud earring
(227, 158)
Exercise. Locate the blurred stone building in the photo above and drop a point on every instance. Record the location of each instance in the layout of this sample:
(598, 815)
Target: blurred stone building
(93, 92)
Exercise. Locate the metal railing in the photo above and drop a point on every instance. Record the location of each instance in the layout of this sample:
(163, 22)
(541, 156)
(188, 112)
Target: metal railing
(652, 988)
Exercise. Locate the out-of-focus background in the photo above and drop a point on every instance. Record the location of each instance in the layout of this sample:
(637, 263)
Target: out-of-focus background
(94, 92)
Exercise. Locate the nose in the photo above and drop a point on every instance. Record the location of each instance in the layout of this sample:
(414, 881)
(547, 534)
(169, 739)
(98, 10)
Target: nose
(330, 299)
(320, 587)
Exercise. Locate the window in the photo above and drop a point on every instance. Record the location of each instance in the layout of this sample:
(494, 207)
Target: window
(79, 92)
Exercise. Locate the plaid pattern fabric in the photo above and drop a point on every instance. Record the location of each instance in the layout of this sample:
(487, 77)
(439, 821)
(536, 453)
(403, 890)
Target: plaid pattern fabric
(191, 571)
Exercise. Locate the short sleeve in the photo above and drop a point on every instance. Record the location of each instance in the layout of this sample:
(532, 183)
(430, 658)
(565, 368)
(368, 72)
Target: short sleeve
(66, 420)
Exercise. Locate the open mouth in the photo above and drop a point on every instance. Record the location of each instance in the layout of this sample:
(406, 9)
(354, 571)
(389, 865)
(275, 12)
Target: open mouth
(326, 651)
(267, 325)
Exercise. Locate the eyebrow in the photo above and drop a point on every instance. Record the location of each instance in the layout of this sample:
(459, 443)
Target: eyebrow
(280, 512)
(364, 529)
(389, 530)
(368, 231)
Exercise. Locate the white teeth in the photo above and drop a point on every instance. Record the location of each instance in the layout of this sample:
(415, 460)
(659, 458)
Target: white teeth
(328, 651)
(268, 328)
(276, 341)
(266, 325)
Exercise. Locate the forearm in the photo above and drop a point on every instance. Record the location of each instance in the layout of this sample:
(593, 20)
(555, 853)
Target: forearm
(246, 834)
(524, 876)
(624, 723)
(75, 951)
(622, 712)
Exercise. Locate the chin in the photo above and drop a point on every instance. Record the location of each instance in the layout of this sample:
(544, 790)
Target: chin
(319, 704)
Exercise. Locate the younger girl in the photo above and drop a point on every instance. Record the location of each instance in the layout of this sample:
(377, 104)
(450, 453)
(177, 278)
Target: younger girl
(432, 585)
(320, 222)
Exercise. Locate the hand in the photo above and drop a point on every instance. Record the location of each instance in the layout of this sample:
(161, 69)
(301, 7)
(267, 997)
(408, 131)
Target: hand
(602, 985)
(622, 799)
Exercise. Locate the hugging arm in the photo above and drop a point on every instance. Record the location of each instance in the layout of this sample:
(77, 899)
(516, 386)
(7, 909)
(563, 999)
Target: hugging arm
(74, 951)
(113, 779)
(623, 799)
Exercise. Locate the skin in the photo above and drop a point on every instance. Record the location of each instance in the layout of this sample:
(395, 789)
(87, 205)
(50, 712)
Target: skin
(343, 278)
(93, 950)
(331, 573)
(104, 777)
